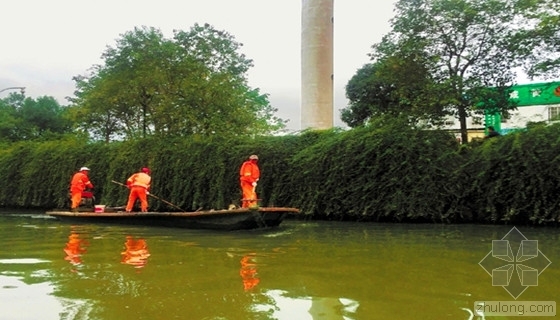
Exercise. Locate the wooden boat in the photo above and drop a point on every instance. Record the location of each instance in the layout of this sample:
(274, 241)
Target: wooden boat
(226, 219)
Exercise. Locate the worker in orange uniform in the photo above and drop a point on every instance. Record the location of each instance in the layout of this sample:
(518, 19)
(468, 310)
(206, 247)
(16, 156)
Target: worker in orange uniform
(80, 181)
(139, 185)
(249, 174)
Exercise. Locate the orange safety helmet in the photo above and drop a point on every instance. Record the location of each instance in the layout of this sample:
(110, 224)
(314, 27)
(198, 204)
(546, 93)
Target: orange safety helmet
(146, 170)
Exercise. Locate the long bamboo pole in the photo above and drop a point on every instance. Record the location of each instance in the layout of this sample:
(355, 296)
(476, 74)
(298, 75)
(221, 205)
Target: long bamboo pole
(156, 197)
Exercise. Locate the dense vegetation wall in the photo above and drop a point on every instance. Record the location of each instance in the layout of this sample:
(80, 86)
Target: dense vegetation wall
(385, 172)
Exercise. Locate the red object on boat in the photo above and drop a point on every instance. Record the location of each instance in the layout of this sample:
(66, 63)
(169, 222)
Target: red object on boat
(87, 194)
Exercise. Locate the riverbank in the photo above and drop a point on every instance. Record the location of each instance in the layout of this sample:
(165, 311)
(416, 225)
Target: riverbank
(385, 173)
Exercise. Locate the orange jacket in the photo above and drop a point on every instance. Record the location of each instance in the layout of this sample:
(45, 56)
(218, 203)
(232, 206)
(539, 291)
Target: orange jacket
(249, 172)
(80, 181)
(139, 179)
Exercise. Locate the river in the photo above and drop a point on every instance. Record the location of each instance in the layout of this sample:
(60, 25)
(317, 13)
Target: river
(313, 270)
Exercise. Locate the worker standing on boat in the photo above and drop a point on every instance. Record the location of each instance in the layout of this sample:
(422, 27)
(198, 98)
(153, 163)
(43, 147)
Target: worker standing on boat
(80, 181)
(249, 174)
(139, 185)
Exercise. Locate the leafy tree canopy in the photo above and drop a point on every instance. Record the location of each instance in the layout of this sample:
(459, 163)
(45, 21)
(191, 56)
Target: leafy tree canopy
(192, 84)
(442, 56)
(544, 40)
(399, 85)
(24, 118)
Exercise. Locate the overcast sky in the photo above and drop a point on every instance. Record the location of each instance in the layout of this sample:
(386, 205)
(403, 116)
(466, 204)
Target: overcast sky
(47, 42)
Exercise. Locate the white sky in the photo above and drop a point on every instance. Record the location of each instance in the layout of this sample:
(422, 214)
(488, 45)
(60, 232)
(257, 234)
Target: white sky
(47, 42)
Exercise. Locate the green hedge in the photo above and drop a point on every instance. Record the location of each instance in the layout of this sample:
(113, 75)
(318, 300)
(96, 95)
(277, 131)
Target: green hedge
(384, 172)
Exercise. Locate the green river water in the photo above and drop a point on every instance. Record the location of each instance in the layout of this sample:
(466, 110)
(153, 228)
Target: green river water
(301, 270)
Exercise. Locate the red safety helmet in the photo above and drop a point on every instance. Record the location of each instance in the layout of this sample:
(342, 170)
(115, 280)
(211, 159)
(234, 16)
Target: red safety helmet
(146, 170)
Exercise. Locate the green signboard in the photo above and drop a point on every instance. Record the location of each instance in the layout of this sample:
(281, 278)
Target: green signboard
(536, 94)
(492, 120)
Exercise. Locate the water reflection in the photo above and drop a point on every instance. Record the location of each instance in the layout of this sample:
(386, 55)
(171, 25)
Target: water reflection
(16, 297)
(284, 305)
(300, 271)
(136, 253)
(248, 271)
(75, 247)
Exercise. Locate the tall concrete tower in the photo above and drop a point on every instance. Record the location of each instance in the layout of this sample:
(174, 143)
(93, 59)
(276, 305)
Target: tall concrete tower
(317, 64)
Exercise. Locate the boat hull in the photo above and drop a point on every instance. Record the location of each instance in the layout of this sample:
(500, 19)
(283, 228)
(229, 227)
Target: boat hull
(235, 219)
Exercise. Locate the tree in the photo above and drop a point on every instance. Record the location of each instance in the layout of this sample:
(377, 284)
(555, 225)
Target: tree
(43, 117)
(368, 97)
(115, 100)
(544, 41)
(466, 46)
(398, 85)
(28, 119)
(194, 83)
(8, 122)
